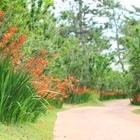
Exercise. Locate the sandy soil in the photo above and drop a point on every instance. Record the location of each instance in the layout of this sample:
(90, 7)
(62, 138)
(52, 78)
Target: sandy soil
(115, 121)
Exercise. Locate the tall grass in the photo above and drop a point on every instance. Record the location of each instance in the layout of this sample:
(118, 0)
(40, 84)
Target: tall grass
(18, 98)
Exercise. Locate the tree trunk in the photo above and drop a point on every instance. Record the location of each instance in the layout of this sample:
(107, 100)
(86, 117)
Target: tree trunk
(118, 45)
(82, 40)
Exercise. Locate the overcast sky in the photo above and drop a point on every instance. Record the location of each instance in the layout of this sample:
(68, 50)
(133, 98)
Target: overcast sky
(126, 3)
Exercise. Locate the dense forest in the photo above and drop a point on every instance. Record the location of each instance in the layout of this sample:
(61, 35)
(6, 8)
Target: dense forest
(69, 49)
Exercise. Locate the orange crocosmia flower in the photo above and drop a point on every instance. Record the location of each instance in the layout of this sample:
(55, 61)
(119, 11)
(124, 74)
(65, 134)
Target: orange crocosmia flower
(22, 38)
(43, 52)
(47, 63)
(13, 29)
(16, 61)
(38, 61)
(44, 78)
(18, 46)
(71, 77)
(14, 51)
(21, 55)
(11, 45)
(30, 61)
(51, 78)
(1, 14)
(43, 62)
(60, 99)
(38, 71)
(6, 36)
(54, 55)
(76, 81)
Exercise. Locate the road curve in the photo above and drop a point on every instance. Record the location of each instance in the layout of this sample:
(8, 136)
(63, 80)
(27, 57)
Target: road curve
(115, 121)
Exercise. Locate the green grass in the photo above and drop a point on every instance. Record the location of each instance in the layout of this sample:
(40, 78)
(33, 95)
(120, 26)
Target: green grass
(93, 101)
(137, 111)
(41, 130)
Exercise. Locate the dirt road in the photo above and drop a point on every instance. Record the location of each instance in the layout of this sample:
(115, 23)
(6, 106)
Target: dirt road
(115, 121)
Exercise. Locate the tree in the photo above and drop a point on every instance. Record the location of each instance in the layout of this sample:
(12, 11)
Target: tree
(133, 44)
(114, 12)
(78, 21)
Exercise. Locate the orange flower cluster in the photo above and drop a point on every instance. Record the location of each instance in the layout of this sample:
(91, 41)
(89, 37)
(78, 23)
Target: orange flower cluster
(45, 85)
(1, 14)
(13, 29)
(71, 86)
(43, 52)
(37, 65)
(22, 39)
(54, 55)
(12, 48)
(50, 88)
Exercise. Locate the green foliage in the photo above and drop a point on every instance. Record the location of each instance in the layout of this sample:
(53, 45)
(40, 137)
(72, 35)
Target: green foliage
(132, 42)
(115, 81)
(117, 96)
(18, 98)
(71, 56)
(78, 98)
(56, 102)
(115, 85)
(99, 69)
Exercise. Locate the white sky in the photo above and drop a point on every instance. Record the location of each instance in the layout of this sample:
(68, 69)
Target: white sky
(126, 3)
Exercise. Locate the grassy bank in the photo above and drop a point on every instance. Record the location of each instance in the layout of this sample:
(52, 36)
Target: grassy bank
(93, 101)
(41, 130)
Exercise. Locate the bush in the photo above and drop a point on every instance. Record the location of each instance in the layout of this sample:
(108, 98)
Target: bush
(104, 95)
(78, 98)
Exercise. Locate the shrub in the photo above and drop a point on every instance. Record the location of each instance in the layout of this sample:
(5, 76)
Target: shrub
(107, 95)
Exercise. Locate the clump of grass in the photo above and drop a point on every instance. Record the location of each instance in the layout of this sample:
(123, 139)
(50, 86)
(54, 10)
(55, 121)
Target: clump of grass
(18, 98)
(137, 111)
